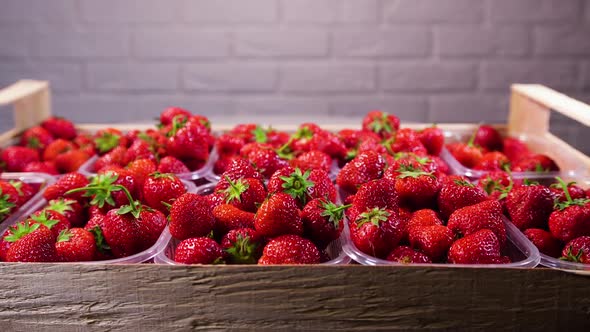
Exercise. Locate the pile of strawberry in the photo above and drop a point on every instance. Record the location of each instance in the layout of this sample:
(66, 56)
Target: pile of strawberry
(13, 195)
(486, 150)
(112, 215)
(292, 220)
(556, 218)
(54, 147)
(181, 144)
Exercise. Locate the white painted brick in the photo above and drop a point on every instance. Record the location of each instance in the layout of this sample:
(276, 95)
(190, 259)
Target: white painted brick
(276, 106)
(433, 11)
(407, 108)
(230, 11)
(327, 78)
(556, 74)
(82, 42)
(116, 11)
(401, 41)
(534, 10)
(241, 77)
(15, 41)
(469, 108)
(562, 40)
(474, 40)
(63, 77)
(132, 77)
(330, 11)
(167, 43)
(288, 43)
(428, 77)
(37, 10)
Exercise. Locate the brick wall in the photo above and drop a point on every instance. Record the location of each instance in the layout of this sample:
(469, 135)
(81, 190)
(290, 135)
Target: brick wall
(425, 60)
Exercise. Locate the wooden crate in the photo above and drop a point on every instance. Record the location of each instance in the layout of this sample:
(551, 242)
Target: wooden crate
(80, 297)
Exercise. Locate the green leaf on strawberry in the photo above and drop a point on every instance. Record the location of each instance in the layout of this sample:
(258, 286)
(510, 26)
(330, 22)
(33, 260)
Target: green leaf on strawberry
(64, 236)
(20, 230)
(333, 211)
(243, 251)
(235, 190)
(569, 201)
(297, 184)
(260, 134)
(374, 216)
(101, 244)
(106, 142)
(43, 219)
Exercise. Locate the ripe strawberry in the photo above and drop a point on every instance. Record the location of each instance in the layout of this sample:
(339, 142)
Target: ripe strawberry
(188, 141)
(364, 167)
(245, 131)
(381, 123)
(434, 240)
(71, 161)
(221, 165)
(415, 188)
(267, 161)
(484, 215)
(313, 160)
(408, 255)
(200, 250)
(30, 243)
(71, 209)
(544, 241)
(535, 163)
(103, 188)
(36, 138)
(302, 186)
(467, 155)
(515, 149)
(170, 164)
(481, 247)
(24, 190)
(327, 143)
(75, 245)
(229, 145)
(456, 192)
(53, 220)
(433, 140)
(278, 215)
(423, 218)
(577, 250)
(246, 194)
(406, 140)
(228, 217)
(350, 137)
(115, 156)
(376, 194)
(139, 149)
(571, 218)
(56, 148)
(575, 191)
(493, 161)
(150, 225)
(191, 216)
(170, 113)
(9, 199)
(64, 184)
(529, 206)
(377, 231)
(141, 169)
(107, 139)
(289, 249)
(496, 184)
(60, 128)
(85, 142)
(251, 147)
(215, 199)
(242, 245)
(488, 138)
(238, 169)
(322, 221)
(15, 158)
(47, 167)
(160, 190)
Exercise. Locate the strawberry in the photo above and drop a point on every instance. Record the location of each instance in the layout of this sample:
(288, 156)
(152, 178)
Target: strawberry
(36, 138)
(188, 141)
(141, 169)
(408, 255)
(377, 231)
(162, 189)
(9, 199)
(191, 216)
(229, 144)
(535, 163)
(577, 250)
(496, 183)
(302, 186)
(242, 245)
(529, 206)
(107, 139)
(139, 149)
(313, 160)
(228, 217)
(216, 198)
(267, 161)
(571, 218)
(515, 149)
(245, 131)
(423, 218)
(105, 187)
(381, 123)
(467, 155)
(71, 161)
(200, 250)
(60, 128)
(84, 142)
(56, 148)
(30, 243)
(376, 194)
(434, 240)
(221, 165)
(364, 167)
(493, 161)
(327, 143)
(350, 137)
(150, 225)
(278, 215)
(64, 184)
(456, 192)
(289, 249)
(433, 140)
(472, 218)
(15, 158)
(115, 156)
(170, 164)
(481, 247)
(575, 191)
(238, 169)
(416, 188)
(47, 167)
(75, 245)
(53, 220)
(544, 241)
(488, 138)
(246, 194)
(322, 221)
(25, 191)
(406, 140)
(170, 113)
(71, 209)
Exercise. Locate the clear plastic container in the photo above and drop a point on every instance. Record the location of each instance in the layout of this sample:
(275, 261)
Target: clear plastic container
(521, 251)
(335, 249)
(38, 180)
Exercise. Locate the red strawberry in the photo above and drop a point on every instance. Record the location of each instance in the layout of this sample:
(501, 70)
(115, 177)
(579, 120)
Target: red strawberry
(496, 183)
(377, 231)
(302, 186)
(15, 158)
(488, 138)
(60, 128)
(71, 161)
(238, 169)
(228, 217)
(456, 192)
(313, 160)
(229, 145)
(191, 216)
(406, 140)
(30, 243)
(84, 142)
(571, 219)
(150, 225)
(221, 165)
(529, 206)
(139, 149)
(422, 218)
(200, 250)
(433, 140)
(103, 188)
(493, 161)
(481, 247)
(188, 141)
(365, 167)
(544, 241)
(215, 199)
(71, 209)
(266, 161)
(75, 245)
(434, 240)
(56, 148)
(47, 167)
(278, 215)
(53, 220)
(245, 131)
(170, 164)
(141, 169)
(246, 194)
(350, 137)
(115, 156)
(381, 123)
(242, 245)
(535, 163)
(322, 221)
(467, 155)
(577, 250)
(36, 138)
(25, 191)
(64, 184)
(170, 113)
(289, 249)
(120, 232)
(376, 194)
(416, 188)
(162, 189)
(484, 215)
(408, 255)
(515, 149)
(9, 199)
(107, 139)
(328, 143)
(575, 191)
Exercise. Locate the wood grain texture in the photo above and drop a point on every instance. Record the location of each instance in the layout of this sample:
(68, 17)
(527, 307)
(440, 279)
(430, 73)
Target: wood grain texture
(70, 297)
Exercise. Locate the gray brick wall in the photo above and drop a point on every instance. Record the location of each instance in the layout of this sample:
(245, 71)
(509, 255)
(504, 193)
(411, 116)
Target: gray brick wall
(425, 60)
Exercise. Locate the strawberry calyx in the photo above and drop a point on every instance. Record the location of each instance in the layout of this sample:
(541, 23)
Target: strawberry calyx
(178, 122)
(529, 182)
(6, 205)
(303, 133)
(374, 216)
(235, 190)
(571, 257)
(387, 144)
(381, 123)
(260, 134)
(43, 219)
(134, 207)
(101, 244)
(20, 230)
(471, 141)
(297, 184)
(463, 183)
(285, 152)
(100, 189)
(243, 251)
(569, 201)
(106, 142)
(409, 171)
(18, 185)
(158, 175)
(351, 154)
(61, 205)
(64, 236)
(334, 212)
